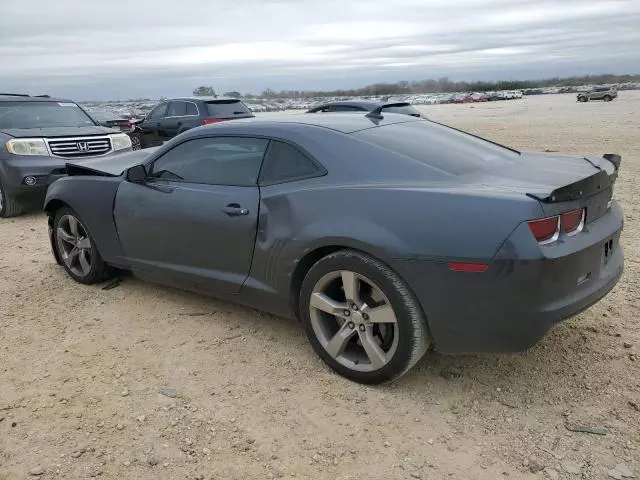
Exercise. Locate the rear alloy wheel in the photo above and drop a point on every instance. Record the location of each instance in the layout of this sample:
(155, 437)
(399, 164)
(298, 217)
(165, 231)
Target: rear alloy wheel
(77, 250)
(361, 318)
(9, 207)
(607, 98)
(582, 99)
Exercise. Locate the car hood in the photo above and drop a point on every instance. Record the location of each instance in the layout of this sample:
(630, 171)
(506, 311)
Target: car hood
(110, 166)
(59, 131)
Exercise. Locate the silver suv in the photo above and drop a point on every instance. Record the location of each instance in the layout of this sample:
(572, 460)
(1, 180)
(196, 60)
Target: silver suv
(598, 93)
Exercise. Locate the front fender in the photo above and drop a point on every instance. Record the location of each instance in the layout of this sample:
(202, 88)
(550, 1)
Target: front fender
(92, 198)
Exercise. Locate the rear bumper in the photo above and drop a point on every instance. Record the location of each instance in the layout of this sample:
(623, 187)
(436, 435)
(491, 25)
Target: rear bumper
(512, 305)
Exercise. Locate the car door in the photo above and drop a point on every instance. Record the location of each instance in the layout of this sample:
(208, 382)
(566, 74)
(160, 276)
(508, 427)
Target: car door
(172, 122)
(192, 223)
(149, 126)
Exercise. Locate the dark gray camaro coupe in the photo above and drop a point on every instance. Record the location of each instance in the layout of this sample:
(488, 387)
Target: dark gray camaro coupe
(384, 235)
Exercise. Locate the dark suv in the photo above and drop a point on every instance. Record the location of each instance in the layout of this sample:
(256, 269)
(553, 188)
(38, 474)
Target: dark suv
(172, 117)
(38, 135)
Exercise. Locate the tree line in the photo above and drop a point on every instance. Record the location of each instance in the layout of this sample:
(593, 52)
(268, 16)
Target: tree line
(440, 85)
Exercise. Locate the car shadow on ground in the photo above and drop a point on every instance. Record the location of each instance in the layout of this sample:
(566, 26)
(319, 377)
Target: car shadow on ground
(511, 372)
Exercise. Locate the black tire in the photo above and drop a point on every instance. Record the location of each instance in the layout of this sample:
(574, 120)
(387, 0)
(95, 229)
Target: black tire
(413, 332)
(9, 206)
(99, 271)
(607, 98)
(136, 142)
(582, 99)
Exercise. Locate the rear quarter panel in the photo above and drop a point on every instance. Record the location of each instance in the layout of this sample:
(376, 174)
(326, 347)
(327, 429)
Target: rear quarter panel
(393, 224)
(92, 198)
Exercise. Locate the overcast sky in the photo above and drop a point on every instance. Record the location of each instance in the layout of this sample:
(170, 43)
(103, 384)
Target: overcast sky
(88, 49)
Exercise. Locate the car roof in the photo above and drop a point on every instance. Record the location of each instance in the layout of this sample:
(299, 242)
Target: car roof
(340, 122)
(204, 99)
(8, 97)
(356, 102)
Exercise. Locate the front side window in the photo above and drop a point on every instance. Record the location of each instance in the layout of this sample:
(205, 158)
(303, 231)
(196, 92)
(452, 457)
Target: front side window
(284, 163)
(158, 112)
(213, 160)
(177, 109)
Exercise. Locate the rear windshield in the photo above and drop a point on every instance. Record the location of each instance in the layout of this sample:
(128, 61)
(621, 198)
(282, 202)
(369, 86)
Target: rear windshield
(406, 110)
(42, 115)
(227, 108)
(440, 147)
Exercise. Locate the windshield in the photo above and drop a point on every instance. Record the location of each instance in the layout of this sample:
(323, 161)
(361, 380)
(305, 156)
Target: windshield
(42, 115)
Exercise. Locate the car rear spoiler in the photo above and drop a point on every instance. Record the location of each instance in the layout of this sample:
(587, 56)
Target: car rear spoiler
(613, 158)
(585, 187)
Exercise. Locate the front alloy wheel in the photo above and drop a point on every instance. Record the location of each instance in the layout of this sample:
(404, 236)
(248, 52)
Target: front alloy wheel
(74, 245)
(77, 250)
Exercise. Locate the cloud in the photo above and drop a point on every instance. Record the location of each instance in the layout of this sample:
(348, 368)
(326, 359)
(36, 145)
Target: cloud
(86, 49)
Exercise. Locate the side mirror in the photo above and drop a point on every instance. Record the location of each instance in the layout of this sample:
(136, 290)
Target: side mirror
(136, 174)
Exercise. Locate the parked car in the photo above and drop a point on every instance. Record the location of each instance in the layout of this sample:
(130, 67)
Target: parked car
(463, 98)
(384, 235)
(361, 105)
(37, 136)
(598, 93)
(175, 116)
(119, 122)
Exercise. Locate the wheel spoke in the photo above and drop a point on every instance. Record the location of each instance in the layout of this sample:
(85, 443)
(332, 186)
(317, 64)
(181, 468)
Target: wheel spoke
(73, 255)
(351, 286)
(73, 225)
(381, 314)
(85, 265)
(326, 304)
(65, 236)
(84, 243)
(339, 341)
(376, 355)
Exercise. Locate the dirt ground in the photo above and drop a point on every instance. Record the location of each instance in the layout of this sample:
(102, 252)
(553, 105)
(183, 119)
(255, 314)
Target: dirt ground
(245, 397)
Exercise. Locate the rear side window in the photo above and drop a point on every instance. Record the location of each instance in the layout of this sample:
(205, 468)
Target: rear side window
(227, 109)
(192, 109)
(407, 110)
(177, 109)
(285, 163)
(444, 149)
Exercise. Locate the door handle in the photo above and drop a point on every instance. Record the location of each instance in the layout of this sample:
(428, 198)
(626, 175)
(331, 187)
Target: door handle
(235, 210)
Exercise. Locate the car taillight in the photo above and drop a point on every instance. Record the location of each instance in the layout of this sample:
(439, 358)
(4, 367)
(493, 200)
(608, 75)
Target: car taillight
(545, 230)
(573, 221)
(209, 121)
